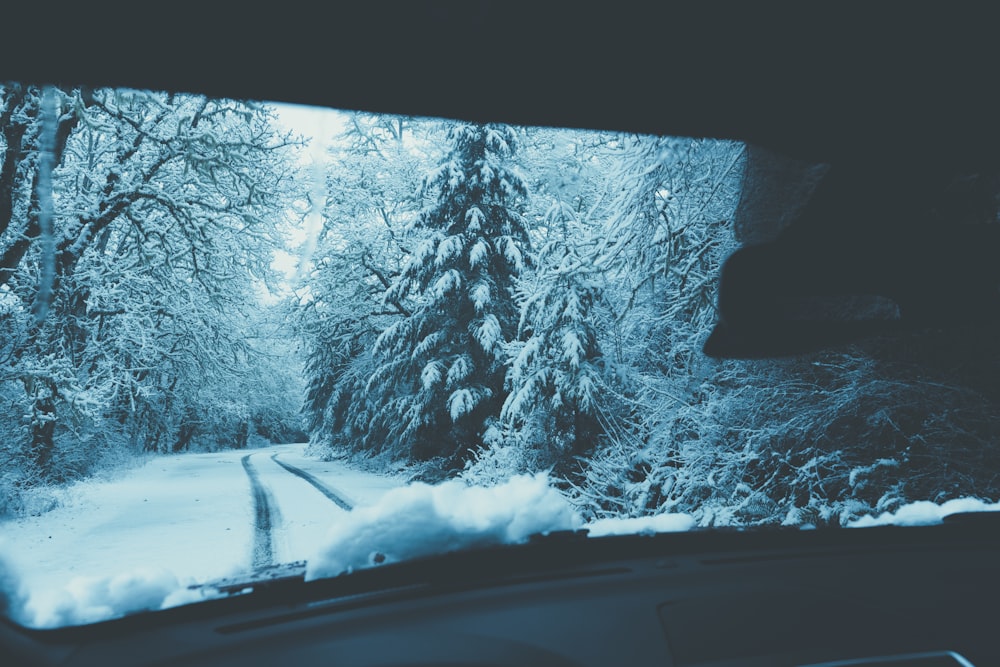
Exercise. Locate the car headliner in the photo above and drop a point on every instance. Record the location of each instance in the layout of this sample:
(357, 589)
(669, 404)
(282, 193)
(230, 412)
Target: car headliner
(846, 81)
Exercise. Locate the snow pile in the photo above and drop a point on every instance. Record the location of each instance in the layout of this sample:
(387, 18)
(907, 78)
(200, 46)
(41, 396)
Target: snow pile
(89, 599)
(421, 519)
(924, 513)
(645, 525)
(93, 599)
(12, 596)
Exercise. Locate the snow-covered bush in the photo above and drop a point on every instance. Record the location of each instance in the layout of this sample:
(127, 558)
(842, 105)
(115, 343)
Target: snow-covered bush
(499, 460)
(823, 439)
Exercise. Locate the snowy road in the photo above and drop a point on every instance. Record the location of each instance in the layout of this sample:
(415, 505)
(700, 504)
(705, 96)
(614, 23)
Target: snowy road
(308, 507)
(199, 516)
(334, 496)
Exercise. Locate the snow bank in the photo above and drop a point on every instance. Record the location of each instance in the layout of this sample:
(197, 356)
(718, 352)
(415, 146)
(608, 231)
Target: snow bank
(924, 513)
(646, 525)
(421, 519)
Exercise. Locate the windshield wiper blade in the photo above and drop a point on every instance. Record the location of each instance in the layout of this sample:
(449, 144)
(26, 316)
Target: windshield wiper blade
(271, 577)
(497, 563)
(541, 552)
(283, 577)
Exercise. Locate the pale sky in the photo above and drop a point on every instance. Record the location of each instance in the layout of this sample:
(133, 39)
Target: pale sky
(319, 125)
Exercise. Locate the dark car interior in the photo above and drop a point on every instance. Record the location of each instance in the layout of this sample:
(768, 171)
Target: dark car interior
(867, 123)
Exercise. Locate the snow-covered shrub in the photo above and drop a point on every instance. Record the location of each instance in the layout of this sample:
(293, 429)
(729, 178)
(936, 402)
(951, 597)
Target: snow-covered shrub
(498, 461)
(821, 439)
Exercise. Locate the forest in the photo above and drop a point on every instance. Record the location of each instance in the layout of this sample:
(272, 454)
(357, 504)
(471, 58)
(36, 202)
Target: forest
(470, 301)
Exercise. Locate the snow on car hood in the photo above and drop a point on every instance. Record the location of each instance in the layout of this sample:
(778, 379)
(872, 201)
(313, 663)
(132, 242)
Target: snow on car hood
(415, 520)
(925, 513)
(89, 599)
(643, 525)
(12, 596)
(423, 519)
(407, 522)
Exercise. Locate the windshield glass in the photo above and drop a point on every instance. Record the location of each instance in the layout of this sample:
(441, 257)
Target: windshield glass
(239, 335)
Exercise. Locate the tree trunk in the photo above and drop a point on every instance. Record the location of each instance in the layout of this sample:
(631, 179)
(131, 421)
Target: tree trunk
(43, 425)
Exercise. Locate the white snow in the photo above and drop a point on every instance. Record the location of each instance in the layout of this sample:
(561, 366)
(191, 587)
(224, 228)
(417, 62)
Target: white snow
(426, 249)
(299, 514)
(448, 249)
(139, 542)
(12, 595)
(431, 374)
(489, 334)
(480, 251)
(92, 599)
(429, 341)
(460, 369)
(461, 402)
(474, 221)
(480, 296)
(573, 350)
(645, 525)
(422, 519)
(186, 513)
(449, 281)
(357, 487)
(924, 513)
(511, 252)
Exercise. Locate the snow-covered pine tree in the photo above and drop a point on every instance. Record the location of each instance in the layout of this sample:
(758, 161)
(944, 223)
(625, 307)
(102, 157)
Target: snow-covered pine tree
(373, 177)
(439, 383)
(559, 376)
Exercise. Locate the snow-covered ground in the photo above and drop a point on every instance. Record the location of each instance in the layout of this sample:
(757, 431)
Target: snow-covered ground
(139, 542)
(358, 488)
(176, 521)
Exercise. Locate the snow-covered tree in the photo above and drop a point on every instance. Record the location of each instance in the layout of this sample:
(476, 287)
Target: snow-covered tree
(439, 383)
(560, 379)
(663, 243)
(670, 224)
(135, 226)
(373, 182)
(571, 167)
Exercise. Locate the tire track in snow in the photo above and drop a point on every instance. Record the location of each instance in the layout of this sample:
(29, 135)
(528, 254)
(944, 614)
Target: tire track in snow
(263, 550)
(320, 486)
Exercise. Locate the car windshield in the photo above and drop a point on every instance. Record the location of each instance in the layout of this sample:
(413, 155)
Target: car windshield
(241, 335)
